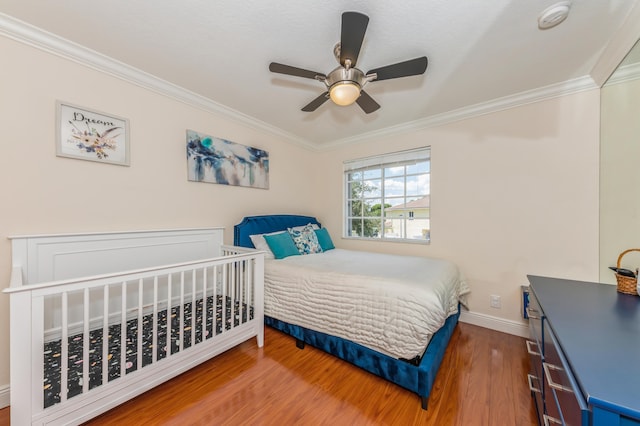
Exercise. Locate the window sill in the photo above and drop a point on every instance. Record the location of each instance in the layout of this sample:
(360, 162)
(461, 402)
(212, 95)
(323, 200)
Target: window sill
(389, 240)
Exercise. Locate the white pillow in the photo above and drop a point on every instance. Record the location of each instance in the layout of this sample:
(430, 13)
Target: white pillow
(261, 244)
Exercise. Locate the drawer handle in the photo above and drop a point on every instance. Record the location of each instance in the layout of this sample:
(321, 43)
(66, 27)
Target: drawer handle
(548, 420)
(530, 378)
(531, 351)
(552, 384)
(530, 314)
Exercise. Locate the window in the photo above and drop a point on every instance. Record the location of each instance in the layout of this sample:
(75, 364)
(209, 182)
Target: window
(387, 196)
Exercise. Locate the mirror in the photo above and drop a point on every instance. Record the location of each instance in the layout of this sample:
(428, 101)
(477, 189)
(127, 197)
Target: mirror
(620, 166)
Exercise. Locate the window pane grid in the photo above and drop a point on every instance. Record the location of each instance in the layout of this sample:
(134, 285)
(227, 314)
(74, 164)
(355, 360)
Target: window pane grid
(389, 200)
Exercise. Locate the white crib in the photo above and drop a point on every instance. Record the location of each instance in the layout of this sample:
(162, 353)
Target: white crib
(167, 300)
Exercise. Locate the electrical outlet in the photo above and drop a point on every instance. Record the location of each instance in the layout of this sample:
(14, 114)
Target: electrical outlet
(495, 301)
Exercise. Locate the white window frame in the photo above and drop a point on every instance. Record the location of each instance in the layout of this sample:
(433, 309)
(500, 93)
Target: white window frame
(378, 164)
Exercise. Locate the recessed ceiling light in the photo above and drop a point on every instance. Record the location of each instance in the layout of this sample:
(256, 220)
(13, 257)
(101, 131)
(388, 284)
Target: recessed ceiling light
(554, 15)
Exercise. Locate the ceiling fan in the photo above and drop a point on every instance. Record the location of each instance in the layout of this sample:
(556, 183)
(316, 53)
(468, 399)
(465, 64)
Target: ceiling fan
(345, 84)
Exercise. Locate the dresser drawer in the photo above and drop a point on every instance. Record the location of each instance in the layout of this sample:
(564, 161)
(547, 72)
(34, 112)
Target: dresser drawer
(535, 320)
(535, 386)
(563, 398)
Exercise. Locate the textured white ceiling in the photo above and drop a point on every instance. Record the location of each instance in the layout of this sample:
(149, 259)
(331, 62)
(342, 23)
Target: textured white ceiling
(478, 51)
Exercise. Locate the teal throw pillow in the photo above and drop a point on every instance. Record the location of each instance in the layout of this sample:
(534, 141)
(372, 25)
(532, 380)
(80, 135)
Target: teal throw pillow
(281, 245)
(324, 239)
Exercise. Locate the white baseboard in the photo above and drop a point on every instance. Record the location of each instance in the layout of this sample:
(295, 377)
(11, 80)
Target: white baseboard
(494, 323)
(4, 396)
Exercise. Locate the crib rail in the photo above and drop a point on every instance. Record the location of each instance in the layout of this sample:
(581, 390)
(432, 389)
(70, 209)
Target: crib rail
(82, 346)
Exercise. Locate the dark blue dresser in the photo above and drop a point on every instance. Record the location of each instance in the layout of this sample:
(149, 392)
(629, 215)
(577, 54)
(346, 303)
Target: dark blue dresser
(585, 353)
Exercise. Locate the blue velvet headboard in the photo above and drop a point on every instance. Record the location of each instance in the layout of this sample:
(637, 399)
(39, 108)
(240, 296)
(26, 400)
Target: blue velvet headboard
(251, 225)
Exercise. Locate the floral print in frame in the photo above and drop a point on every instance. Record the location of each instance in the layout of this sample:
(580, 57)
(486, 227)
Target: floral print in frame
(91, 135)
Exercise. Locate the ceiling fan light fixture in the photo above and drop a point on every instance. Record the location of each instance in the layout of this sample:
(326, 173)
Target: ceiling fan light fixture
(344, 93)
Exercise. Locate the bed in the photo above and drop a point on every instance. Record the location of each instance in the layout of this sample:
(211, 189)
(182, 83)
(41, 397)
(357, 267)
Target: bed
(365, 308)
(167, 300)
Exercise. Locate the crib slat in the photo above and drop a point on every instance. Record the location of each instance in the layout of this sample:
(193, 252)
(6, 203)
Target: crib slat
(181, 313)
(37, 318)
(214, 290)
(238, 295)
(237, 286)
(169, 344)
(86, 342)
(205, 304)
(236, 290)
(139, 332)
(193, 307)
(123, 331)
(249, 293)
(105, 336)
(243, 281)
(232, 297)
(223, 289)
(247, 286)
(64, 350)
(154, 322)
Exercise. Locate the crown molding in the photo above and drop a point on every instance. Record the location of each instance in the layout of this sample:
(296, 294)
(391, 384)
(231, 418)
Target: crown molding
(33, 36)
(624, 74)
(619, 45)
(519, 99)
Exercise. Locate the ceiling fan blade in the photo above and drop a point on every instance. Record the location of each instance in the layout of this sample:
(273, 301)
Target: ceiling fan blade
(298, 72)
(314, 104)
(354, 25)
(415, 66)
(367, 103)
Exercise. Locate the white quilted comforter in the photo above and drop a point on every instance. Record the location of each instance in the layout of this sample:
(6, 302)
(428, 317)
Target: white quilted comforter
(391, 304)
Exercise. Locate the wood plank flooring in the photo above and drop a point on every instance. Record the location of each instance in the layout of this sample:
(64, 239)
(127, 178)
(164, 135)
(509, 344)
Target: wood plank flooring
(482, 381)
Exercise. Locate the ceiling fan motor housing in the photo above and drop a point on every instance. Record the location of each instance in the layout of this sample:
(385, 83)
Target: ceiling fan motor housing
(342, 75)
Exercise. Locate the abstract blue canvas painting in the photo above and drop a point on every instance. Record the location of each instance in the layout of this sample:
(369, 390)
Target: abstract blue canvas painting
(215, 160)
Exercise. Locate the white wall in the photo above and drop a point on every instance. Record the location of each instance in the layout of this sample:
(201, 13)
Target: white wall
(620, 177)
(512, 193)
(43, 193)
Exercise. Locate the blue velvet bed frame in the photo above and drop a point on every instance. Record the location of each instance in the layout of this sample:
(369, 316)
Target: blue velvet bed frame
(417, 378)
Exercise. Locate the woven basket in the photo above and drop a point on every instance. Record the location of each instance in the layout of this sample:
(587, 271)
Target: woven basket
(626, 285)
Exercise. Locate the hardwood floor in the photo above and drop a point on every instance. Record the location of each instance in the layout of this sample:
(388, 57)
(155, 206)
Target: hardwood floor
(482, 381)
